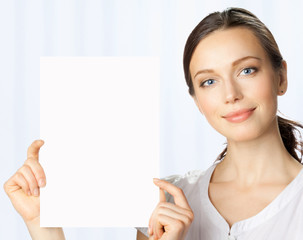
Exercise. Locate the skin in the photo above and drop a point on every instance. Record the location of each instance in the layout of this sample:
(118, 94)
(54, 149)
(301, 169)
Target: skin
(170, 221)
(256, 155)
(254, 145)
(231, 71)
(23, 189)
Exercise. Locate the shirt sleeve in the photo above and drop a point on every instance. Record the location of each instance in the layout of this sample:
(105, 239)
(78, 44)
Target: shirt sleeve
(143, 230)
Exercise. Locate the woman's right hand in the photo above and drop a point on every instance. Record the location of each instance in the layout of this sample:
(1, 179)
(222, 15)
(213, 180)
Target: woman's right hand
(170, 221)
(23, 188)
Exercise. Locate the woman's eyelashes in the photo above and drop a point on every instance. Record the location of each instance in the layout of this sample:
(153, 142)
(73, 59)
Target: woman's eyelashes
(248, 71)
(207, 82)
(245, 72)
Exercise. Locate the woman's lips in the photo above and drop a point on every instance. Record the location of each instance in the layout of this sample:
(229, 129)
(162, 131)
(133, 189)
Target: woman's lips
(239, 116)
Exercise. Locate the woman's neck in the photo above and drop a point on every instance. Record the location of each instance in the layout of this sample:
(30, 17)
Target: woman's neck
(262, 160)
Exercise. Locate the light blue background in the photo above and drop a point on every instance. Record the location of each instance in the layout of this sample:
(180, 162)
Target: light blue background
(30, 29)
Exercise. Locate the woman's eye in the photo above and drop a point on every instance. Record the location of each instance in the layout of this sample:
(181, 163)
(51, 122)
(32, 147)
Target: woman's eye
(247, 71)
(207, 82)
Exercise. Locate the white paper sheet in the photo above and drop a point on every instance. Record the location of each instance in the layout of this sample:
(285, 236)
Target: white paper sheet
(99, 118)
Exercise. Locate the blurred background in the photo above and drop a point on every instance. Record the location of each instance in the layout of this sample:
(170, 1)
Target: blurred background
(31, 29)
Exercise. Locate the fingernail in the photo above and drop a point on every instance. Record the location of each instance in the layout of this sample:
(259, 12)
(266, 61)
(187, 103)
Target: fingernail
(41, 182)
(156, 179)
(29, 193)
(36, 192)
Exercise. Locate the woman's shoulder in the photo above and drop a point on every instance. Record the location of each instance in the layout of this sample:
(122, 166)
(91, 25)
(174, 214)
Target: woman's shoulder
(189, 182)
(190, 177)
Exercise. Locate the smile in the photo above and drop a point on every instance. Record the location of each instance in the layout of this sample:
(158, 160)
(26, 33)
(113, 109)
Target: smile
(239, 116)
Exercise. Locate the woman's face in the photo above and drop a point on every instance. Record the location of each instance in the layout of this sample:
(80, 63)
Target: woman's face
(231, 72)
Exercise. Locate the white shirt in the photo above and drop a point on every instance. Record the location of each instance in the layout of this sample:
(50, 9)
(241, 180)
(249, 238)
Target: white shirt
(281, 219)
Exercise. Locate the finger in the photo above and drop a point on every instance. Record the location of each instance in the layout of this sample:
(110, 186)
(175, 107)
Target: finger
(162, 198)
(151, 237)
(30, 178)
(172, 224)
(16, 182)
(159, 230)
(33, 149)
(172, 211)
(165, 208)
(162, 195)
(184, 215)
(150, 226)
(37, 171)
(176, 192)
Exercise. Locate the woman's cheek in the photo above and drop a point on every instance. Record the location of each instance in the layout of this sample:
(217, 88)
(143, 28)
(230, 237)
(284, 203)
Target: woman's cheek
(266, 93)
(210, 108)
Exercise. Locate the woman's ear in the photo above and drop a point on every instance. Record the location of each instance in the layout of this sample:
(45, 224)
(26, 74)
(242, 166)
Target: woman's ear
(282, 79)
(197, 104)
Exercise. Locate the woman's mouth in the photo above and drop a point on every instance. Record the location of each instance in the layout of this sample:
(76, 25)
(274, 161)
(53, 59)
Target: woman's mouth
(239, 115)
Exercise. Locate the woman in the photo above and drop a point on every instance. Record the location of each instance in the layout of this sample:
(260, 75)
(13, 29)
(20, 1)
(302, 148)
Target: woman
(235, 73)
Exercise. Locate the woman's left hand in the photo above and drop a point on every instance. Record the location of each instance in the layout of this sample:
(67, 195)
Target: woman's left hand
(170, 221)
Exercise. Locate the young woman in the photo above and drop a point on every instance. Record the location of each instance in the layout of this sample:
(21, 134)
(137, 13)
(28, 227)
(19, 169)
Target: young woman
(235, 73)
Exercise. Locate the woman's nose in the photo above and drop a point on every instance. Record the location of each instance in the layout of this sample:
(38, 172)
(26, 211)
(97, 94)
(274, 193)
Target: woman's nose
(233, 92)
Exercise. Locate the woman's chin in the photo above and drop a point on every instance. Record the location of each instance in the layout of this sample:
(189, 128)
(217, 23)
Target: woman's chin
(242, 135)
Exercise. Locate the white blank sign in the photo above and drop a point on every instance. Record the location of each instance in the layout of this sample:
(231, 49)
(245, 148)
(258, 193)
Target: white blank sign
(99, 118)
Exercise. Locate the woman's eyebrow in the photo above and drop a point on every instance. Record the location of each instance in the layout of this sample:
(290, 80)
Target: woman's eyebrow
(244, 58)
(233, 64)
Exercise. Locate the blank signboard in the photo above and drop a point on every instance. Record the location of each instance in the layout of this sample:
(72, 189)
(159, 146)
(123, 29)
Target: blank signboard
(99, 118)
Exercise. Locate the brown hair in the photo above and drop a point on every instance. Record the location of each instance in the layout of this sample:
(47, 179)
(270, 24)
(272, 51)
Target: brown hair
(239, 17)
